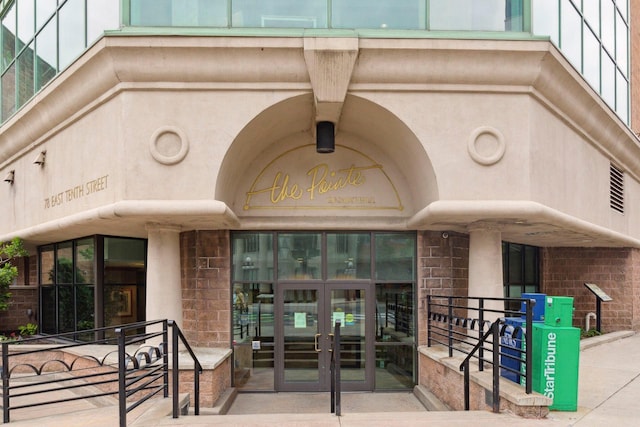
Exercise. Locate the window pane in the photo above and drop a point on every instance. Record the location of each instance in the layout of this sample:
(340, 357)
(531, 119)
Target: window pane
(283, 13)
(9, 37)
(607, 22)
(72, 30)
(394, 311)
(44, 10)
(46, 62)
(622, 6)
(591, 59)
(530, 264)
(488, 15)
(47, 272)
(398, 14)
(570, 41)
(299, 256)
(545, 19)
(622, 103)
(199, 13)
(621, 45)
(85, 270)
(9, 92)
(66, 312)
(64, 265)
(102, 15)
(591, 12)
(26, 22)
(253, 257)
(48, 309)
(85, 307)
(349, 256)
(394, 367)
(151, 12)
(608, 77)
(515, 263)
(25, 76)
(395, 256)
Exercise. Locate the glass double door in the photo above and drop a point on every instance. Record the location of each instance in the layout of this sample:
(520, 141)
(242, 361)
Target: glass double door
(305, 319)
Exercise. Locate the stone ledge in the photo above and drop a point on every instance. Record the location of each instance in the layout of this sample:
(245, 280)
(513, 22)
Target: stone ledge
(519, 401)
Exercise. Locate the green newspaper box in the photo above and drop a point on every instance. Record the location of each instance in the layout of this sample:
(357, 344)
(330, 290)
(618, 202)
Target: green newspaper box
(555, 359)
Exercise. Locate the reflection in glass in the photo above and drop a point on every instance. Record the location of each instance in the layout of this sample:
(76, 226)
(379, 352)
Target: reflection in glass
(9, 37)
(608, 79)
(64, 264)
(591, 58)
(488, 15)
(545, 19)
(46, 55)
(283, 13)
(621, 44)
(48, 310)
(26, 22)
(66, 312)
(71, 31)
(571, 39)
(9, 92)
(300, 321)
(397, 14)
(299, 256)
(101, 14)
(608, 25)
(349, 256)
(622, 100)
(25, 71)
(348, 306)
(395, 336)
(395, 256)
(253, 257)
(44, 10)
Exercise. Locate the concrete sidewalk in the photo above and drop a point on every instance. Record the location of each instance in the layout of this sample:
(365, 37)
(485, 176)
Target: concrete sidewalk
(609, 390)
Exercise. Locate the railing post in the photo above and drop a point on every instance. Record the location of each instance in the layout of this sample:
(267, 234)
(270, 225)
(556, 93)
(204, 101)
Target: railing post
(165, 356)
(466, 385)
(450, 325)
(175, 370)
(480, 333)
(428, 320)
(5, 382)
(528, 340)
(122, 377)
(496, 366)
(336, 351)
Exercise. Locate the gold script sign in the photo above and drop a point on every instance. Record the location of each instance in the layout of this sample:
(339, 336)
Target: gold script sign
(303, 179)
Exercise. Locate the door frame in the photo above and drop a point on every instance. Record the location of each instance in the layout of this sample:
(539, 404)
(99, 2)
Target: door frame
(324, 317)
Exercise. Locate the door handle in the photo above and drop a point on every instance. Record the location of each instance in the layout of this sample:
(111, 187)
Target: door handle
(315, 338)
(331, 338)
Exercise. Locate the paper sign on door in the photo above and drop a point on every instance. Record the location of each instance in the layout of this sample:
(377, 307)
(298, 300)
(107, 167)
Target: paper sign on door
(300, 320)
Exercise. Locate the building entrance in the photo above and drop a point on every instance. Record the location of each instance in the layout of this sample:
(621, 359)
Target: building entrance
(306, 317)
(288, 290)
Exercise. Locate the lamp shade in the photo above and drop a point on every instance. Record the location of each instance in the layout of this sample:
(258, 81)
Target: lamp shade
(325, 138)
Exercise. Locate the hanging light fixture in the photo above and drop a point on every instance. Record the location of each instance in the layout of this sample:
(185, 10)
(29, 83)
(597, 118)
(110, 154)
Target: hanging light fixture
(325, 138)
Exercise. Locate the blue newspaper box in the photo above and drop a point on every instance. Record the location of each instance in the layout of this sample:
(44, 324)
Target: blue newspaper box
(538, 308)
(510, 346)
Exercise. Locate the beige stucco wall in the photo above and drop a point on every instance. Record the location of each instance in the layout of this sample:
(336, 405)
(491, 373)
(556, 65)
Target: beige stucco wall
(232, 105)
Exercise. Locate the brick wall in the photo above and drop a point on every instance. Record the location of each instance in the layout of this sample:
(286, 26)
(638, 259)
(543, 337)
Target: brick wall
(24, 296)
(614, 270)
(443, 269)
(206, 296)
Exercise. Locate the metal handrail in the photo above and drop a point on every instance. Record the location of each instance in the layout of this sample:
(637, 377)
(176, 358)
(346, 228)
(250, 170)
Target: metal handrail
(464, 366)
(335, 371)
(134, 375)
(445, 326)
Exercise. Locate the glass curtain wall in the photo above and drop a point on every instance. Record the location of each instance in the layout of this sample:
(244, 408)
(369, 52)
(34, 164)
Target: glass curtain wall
(40, 38)
(91, 282)
(594, 36)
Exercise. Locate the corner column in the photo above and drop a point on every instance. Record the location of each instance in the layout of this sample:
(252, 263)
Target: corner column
(164, 290)
(485, 265)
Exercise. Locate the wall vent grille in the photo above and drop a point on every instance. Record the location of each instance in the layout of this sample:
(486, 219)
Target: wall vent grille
(616, 189)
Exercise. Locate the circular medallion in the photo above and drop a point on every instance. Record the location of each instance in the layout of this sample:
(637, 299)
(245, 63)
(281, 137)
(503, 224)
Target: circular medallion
(486, 145)
(169, 145)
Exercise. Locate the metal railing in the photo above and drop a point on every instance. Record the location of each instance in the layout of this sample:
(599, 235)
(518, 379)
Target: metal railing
(134, 371)
(462, 325)
(335, 372)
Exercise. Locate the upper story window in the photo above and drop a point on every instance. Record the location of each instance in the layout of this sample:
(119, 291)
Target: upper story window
(594, 37)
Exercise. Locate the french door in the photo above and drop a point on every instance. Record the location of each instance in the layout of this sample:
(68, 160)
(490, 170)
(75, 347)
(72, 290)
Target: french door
(305, 318)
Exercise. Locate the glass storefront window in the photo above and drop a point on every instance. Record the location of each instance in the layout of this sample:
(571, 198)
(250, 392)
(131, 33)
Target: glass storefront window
(253, 257)
(395, 256)
(299, 256)
(348, 256)
(69, 280)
